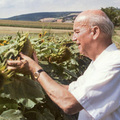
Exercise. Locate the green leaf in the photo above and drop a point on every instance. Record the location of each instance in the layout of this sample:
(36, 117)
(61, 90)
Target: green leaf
(12, 115)
(6, 103)
(11, 52)
(1, 118)
(7, 47)
(23, 87)
(48, 115)
(27, 103)
(45, 116)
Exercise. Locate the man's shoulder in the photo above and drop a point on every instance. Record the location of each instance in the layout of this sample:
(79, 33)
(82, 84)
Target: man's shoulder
(109, 59)
(115, 56)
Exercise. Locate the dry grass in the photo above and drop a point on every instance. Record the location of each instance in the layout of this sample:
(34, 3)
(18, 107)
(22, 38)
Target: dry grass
(117, 32)
(13, 26)
(13, 30)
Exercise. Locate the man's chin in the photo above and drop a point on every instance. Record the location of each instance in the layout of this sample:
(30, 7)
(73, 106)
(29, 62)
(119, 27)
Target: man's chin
(83, 54)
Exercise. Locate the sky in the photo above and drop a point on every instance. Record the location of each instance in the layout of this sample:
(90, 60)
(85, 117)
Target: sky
(9, 8)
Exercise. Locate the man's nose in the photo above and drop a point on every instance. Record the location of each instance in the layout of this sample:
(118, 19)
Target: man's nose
(74, 38)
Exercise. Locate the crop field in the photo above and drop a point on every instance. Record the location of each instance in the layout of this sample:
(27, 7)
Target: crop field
(36, 24)
(5, 30)
(22, 98)
(59, 57)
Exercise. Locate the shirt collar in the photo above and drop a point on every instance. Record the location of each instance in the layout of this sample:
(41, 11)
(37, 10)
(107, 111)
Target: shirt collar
(110, 48)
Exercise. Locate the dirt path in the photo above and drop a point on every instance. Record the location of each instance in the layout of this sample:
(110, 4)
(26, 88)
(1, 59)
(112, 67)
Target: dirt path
(14, 30)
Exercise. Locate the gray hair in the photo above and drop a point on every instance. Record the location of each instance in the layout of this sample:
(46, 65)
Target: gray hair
(103, 22)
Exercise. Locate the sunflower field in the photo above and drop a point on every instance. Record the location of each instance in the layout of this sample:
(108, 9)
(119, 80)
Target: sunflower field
(22, 98)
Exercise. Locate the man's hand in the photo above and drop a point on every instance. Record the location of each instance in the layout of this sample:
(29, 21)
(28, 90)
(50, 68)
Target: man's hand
(57, 92)
(26, 65)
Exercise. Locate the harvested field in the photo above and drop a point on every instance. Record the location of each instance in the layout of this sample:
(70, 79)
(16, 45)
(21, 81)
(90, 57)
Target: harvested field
(13, 30)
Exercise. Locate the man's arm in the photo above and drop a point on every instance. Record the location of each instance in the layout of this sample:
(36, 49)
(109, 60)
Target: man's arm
(58, 93)
(65, 86)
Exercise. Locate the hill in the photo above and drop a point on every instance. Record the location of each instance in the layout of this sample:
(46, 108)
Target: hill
(41, 15)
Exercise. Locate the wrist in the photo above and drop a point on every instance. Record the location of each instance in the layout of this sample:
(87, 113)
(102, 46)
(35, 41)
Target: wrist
(37, 74)
(34, 68)
(35, 71)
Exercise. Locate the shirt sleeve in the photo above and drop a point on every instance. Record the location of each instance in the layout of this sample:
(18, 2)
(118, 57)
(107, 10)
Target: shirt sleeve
(99, 94)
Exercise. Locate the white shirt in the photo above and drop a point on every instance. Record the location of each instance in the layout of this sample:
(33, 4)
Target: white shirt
(98, 89)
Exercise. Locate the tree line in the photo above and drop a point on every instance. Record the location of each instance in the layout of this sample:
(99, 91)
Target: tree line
(114, 14)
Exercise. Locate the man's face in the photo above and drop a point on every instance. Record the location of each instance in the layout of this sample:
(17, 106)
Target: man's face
(82, 36)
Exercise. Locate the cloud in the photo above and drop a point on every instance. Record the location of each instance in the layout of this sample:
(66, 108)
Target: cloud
(11, 8)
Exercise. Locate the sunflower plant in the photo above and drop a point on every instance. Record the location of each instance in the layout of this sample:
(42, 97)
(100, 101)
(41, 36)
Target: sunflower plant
(23, 98)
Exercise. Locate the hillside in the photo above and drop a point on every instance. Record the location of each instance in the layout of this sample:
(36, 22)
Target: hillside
(41, 15)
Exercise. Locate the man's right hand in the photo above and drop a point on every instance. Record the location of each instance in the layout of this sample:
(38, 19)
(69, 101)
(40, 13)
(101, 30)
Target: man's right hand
(26, 65)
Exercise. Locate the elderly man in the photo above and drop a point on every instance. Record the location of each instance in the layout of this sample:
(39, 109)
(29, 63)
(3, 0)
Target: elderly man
(95, 94)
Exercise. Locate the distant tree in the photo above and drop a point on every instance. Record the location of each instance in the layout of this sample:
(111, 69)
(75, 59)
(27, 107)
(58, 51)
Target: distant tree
(114, 14)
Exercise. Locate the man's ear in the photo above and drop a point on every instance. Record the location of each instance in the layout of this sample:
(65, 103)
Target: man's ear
(95, 31)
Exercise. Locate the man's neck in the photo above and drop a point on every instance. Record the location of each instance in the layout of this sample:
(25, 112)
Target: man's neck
(99, 50)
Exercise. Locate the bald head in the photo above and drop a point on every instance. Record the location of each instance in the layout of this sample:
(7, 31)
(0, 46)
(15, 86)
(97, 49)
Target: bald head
(89, 13)
(96, 18)
(97, 12)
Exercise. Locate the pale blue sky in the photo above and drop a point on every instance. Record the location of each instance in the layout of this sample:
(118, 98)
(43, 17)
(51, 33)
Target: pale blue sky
(10, 8)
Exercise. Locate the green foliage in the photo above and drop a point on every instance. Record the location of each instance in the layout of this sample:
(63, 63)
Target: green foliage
(21, 97)
(12, 114)
(59, 56)
(114, 14)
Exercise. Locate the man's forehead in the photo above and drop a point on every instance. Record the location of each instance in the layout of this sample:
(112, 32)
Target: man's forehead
(80, 18)
(78, 28)
(78, 25)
